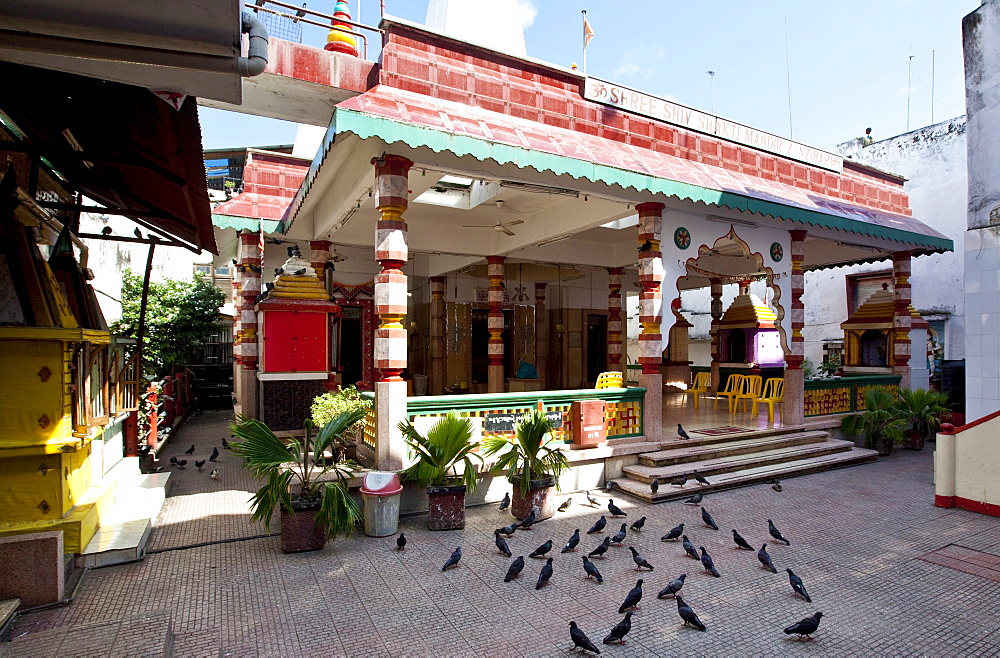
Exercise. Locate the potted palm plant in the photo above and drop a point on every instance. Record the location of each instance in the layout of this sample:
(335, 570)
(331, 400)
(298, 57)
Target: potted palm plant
(308, 489)
(329, 405)
(921, 410)
(882, 422)
(532, 461)
(447, 444)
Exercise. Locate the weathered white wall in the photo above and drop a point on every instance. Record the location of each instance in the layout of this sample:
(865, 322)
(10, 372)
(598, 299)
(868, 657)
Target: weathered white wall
(981, 44)
(966, 466)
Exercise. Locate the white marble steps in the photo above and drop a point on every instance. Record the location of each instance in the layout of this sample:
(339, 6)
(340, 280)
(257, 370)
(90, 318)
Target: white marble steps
(698, 439)
(753, 474)
(125, 531)
(8, 614)
(690, 453)
(716, 465)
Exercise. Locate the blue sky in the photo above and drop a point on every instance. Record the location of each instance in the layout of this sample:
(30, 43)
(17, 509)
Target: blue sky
(847, 60)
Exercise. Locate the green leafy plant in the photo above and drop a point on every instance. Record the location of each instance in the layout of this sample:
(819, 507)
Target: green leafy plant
(808, 369)
(330, 405)
(530, 454)
(180, 316)
(921, 408)
(881, 422)
(447, 444)
(830, 365)
(284, 463)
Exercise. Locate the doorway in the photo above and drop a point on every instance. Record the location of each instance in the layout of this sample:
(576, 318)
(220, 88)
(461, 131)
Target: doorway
(351, 353)
(481, 343)
(597, 343)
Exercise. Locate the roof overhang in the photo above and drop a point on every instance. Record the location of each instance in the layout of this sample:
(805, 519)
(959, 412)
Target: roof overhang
(117, 145)
(395, 116)
(184, 46)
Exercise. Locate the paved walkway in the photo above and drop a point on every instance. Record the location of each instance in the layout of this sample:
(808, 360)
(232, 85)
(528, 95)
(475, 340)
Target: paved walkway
(865, 540)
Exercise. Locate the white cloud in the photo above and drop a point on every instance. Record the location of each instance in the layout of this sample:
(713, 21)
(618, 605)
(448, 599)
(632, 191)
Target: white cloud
(528, 11)
(633, 60)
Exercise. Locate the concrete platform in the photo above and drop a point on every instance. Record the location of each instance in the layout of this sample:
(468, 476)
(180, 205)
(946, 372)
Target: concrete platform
(117, 543)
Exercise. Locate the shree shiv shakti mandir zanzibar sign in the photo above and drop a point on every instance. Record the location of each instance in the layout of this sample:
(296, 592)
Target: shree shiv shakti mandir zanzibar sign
(631, 100)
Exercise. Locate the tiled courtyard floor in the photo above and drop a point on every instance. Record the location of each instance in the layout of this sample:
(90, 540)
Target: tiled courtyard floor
(857, 537)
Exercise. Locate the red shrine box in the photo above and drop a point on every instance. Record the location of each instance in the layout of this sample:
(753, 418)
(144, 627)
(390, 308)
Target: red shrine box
(587, 420)
(295, 336)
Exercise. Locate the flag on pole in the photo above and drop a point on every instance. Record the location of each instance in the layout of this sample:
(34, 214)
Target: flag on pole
(588, 32)
(260, 241)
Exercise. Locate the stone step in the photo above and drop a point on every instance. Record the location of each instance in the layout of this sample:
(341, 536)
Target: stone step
(689, 453)
(699, 439)
(8, 615)
(117, 543)
(717, 465)
(752, 475)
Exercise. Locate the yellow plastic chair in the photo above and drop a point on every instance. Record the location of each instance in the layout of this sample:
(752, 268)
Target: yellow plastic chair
(774, 393)
(734, 386)
(751, 391)
(702, 381)
(612, 379)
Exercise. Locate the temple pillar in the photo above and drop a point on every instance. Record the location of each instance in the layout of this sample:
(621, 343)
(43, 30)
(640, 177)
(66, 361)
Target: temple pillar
(438, 344)
(250, 268)
(793, 406)
(716, 309)
(541, 335)
(901, 318)
(494, 323)
(391, 252)
(651, 316)
(615, 320)
(319, 258)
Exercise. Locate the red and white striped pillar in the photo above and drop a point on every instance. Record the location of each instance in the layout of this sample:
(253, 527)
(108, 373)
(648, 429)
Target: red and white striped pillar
(541, 334)
(901, 319)
(615, 318)
(438, 345)
(250, 268)
(651, 316)
(715, 289)
(793, 407)
(391, 252)
(494, 322)
(319, 256)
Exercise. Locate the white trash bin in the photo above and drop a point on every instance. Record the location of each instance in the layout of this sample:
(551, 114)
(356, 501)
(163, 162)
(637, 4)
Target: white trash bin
(420, 385)
(381, 493)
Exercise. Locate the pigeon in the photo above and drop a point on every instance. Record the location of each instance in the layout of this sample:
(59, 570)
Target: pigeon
(638, 524)
(573, 541)
(619, 536)
(591, 500)
(681, 433)
(214, 474)
(591, 570)
(654, 486)
(529, 520)
(299, 272)
(689, 548)
(776, 487)
(106, 230)
(646, 246)
(454, 559)
(501, 543)
(601, 549)
(401, 542)
(137, 233)
(672, 587)
(214, 455)
(580, 639)
(640, 561)
(805, 627)
(621, 629)
(673, 534)
(615, 511)
(706, 561)
(776, 533)
(509, 529)
(565, 505)
(632, 598)
(772, 481)
(679, 481)
(765, 559)
(687, 614)
(797, 585)
(189, 451)
(544, 575)
(707, 518)
(181, 463)
(541, 550)
(225, 444)
(695, 499)
(199, 464)
(598, 525)
(515, 569)
(700, 478)
(505, 503)
(742, 543)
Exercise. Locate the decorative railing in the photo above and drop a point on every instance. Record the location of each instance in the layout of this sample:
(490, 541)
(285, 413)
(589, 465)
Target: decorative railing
(824, 397)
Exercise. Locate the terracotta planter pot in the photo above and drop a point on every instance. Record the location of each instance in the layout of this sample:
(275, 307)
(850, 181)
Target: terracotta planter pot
(883, 445)
(447, 507)
(914, 439)
(299, 531)
(538, 496)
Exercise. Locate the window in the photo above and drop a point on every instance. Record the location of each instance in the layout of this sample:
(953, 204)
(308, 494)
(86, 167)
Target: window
(203, 269)
(862, 286)
(222, 271)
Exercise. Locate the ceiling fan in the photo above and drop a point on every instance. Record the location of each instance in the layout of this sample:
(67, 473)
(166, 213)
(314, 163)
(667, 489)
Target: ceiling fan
(500, 226)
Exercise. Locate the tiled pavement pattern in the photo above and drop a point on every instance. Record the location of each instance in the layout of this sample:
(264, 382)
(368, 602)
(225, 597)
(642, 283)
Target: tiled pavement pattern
(856, 538)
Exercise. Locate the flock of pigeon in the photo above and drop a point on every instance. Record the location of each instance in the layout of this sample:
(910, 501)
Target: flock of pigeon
(182, 463)
(804, 628)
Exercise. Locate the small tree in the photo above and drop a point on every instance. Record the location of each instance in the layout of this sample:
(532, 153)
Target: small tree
(180, 316)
